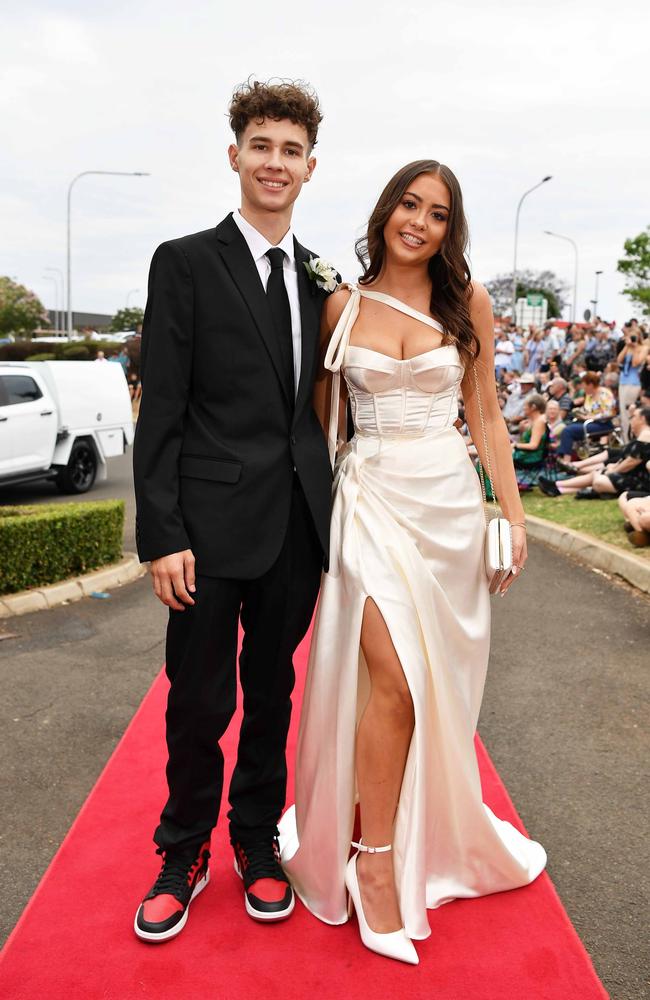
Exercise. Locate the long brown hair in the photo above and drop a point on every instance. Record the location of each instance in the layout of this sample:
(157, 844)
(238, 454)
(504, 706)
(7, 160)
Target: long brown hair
(448, 269)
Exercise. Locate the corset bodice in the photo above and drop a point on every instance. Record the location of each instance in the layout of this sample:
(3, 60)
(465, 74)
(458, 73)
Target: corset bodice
(410, 397)
(392, 397)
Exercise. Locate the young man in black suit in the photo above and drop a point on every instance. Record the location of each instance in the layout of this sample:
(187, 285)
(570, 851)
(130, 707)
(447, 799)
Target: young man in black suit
(233, 489)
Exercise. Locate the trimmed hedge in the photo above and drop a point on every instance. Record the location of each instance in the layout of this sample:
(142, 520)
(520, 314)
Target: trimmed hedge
(76, 350)
(46, 543)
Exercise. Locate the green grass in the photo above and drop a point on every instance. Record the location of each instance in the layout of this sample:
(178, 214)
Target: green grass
(601, 518)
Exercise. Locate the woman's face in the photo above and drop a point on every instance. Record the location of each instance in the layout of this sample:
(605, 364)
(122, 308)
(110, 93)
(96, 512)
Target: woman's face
(417, 228)
(552, 411)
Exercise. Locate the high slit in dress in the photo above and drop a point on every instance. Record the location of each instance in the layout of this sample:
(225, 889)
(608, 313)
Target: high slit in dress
(407, 531)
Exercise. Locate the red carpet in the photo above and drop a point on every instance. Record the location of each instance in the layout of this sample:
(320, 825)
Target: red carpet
(75, 939)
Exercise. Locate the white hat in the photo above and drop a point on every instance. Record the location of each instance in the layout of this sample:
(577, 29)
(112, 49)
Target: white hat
(528, 378)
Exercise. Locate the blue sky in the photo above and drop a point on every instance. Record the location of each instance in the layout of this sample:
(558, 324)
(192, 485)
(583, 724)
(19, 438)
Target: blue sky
(504, 93)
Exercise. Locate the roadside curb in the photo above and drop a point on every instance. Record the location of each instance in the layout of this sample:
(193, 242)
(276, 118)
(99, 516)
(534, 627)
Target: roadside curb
(595, 553)
(40, 598)
(588, 549)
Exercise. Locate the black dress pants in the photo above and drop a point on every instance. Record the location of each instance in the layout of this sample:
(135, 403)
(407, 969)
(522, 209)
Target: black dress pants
(275, 612)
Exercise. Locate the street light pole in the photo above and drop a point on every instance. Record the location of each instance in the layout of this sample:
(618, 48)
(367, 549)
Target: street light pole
(49, 277)
(573, 243)
(133, 291)
(85, 173)
(59, 273)
(514, 266)
(595, 303)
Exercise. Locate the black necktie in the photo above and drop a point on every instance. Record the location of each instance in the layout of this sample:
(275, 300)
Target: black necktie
(276, 293)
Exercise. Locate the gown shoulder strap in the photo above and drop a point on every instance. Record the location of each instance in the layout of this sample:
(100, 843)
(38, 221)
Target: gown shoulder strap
(390, 300)
(334, 359)
(341, 333)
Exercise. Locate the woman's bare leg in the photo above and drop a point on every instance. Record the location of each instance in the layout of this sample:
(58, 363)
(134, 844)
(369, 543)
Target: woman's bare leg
(588, 464)
(383, 739)
(603, 484)
(575, 483)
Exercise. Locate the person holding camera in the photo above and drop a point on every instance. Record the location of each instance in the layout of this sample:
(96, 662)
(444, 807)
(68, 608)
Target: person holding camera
(632, 359)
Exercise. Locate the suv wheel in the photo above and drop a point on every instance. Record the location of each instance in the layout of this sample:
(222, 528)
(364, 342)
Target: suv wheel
(80, 472)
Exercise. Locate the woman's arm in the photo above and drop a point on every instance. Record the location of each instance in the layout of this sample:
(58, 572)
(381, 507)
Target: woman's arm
(626, 464)
(503, 471)
(497, 435)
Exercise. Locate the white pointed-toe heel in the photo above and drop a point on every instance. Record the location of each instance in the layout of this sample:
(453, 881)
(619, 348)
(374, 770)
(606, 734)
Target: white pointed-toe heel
(395, 944)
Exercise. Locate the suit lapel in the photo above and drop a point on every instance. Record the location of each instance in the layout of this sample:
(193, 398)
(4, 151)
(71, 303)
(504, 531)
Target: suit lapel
(310, 303)
(237, 258)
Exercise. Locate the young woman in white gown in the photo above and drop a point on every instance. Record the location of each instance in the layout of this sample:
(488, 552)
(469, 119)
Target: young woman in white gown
(401, 639)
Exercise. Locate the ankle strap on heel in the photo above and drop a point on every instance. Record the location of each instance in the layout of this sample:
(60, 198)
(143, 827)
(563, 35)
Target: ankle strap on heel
(371, 850)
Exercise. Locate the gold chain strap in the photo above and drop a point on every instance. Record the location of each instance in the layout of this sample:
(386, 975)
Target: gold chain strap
(487, 454)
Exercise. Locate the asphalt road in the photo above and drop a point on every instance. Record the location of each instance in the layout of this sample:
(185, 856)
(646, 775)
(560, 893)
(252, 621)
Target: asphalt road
(562, 719)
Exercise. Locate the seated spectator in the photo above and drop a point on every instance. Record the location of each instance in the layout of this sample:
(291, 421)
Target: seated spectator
(629, 472)
(553, 370)
(636, 511)
(554, 422)
(513, 411)
(530, 451)
(558, 390)
(596, 411)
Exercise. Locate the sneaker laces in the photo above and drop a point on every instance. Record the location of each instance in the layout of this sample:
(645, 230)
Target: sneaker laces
(262, 860)
(173, 877)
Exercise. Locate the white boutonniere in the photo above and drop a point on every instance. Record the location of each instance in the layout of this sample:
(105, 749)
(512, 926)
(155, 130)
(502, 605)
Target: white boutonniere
(322, 273)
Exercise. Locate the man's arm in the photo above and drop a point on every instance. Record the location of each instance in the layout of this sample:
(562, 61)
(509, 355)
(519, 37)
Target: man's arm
(166, 365)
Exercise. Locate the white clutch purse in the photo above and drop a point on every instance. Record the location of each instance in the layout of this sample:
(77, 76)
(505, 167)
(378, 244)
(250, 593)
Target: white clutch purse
(498, 533)
(498, 551)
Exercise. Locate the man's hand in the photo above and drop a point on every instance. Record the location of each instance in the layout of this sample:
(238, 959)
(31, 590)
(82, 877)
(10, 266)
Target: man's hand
(173, 579)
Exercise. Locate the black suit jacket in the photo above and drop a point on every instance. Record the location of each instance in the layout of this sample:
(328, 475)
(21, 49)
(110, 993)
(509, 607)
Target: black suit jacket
(218, 436)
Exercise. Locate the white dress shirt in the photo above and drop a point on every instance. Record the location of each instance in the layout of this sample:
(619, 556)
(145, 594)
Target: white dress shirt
(258, 246)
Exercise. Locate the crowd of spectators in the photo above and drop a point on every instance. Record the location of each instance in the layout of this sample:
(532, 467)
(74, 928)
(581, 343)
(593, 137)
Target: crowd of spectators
(576, 401)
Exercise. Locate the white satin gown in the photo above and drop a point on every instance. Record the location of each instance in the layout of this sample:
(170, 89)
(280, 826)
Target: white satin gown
(407, 531)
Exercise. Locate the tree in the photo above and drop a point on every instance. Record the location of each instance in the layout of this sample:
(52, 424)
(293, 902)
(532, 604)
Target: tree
(21, 312)
(126, 319)
(636, 268)
(528, 283)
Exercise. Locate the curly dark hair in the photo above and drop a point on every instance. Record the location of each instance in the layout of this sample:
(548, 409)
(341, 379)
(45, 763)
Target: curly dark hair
(449, 271)
(292, 99)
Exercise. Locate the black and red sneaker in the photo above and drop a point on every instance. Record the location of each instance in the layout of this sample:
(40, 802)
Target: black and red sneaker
(267, 893)
(164, 910)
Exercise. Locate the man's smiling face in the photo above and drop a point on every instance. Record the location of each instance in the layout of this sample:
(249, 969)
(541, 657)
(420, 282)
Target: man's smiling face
(273, 161)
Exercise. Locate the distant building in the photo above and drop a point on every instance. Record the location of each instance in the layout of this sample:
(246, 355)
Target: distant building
(80, 320)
